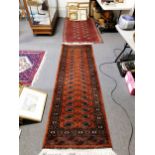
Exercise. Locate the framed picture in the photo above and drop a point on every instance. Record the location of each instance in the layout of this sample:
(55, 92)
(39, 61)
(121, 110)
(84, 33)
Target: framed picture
(73, 15)
(84, 6)
(82, 14)
(31, 104)
(72, 4)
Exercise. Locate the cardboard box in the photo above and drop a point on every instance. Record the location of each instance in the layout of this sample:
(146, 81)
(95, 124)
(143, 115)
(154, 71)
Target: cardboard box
(96, 14)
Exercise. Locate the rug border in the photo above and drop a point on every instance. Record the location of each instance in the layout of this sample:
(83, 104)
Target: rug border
(101, 96)
(98, 33)
(51, 103)
(36, 74)
(78, 43)
(109, 145)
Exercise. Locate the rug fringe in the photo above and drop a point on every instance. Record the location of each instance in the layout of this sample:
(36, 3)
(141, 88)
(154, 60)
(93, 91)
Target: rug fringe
(107, 151)
(78, 43)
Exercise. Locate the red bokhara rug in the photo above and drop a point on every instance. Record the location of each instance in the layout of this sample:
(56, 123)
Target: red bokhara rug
(81, 32)
(77, 116)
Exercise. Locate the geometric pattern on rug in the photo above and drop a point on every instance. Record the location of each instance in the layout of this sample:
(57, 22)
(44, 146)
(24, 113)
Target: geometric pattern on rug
(81, 32)
(24, 64)
(77, 117)
(29, 63)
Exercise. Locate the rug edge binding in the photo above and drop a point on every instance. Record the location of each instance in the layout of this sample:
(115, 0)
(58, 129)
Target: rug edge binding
(78, 43)
(106, 151)
(39, 69)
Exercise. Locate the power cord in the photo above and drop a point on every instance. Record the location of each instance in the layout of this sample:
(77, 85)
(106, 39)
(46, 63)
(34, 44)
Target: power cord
(116, 49)
(115, 87)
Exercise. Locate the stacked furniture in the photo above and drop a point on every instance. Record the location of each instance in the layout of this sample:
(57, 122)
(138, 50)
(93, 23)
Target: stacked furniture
(42, 15)
(105, 20)
(77, 11)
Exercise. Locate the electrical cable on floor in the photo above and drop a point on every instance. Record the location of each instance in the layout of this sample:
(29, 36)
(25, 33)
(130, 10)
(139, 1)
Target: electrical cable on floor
(115, 87)
(116, 49)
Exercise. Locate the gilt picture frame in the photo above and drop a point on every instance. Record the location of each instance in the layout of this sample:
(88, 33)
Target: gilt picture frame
(32, 103)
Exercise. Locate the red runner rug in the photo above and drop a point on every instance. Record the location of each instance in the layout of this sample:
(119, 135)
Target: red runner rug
(81, 32)
(77, 116)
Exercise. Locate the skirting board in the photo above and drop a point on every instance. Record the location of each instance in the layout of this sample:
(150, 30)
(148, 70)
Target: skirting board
(106, 151)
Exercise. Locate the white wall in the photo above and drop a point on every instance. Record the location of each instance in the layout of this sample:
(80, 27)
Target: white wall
(52, 3)
(61, 8)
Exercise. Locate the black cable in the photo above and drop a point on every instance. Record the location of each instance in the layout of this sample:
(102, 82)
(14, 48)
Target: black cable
(116, 49)
(125, 111)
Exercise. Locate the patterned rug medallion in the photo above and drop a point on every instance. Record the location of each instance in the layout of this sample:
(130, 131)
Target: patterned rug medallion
(29, 63)
(80, 32)
(77, 117)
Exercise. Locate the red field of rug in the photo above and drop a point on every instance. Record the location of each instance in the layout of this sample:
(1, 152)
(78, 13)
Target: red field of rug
(81, 32)
(77, 116)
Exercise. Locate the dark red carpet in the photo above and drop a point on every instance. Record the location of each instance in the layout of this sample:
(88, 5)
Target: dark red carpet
(81, 32)
(77, 116)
